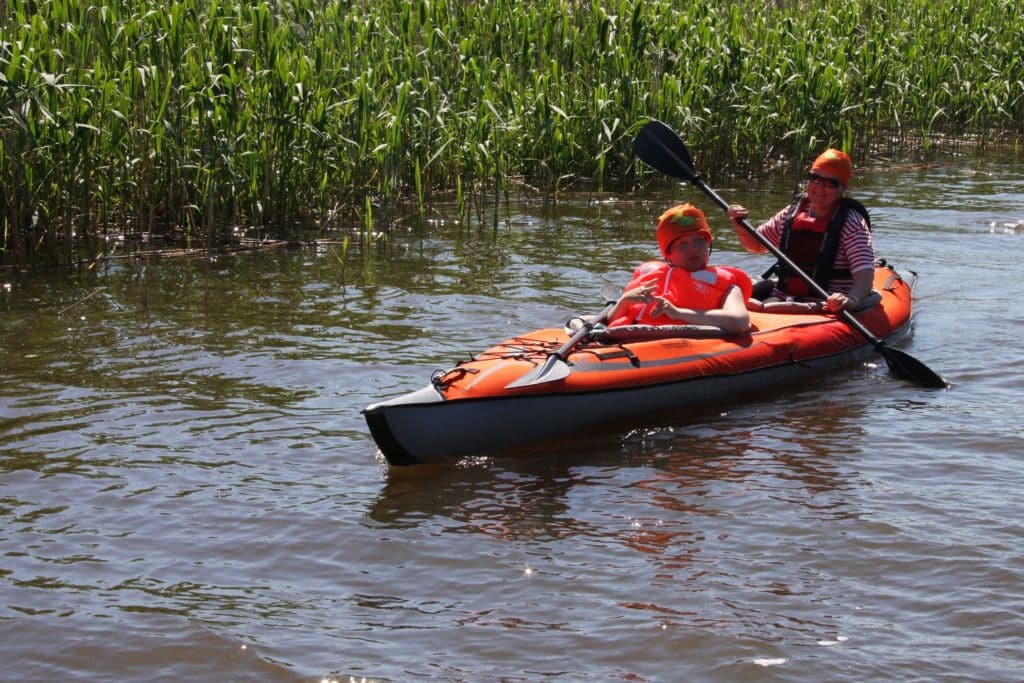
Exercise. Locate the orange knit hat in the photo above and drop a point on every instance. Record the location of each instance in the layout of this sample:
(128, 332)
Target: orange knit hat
(836, 163)
(678, 221)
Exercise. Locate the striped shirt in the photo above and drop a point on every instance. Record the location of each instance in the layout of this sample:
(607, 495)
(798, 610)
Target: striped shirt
(855, 250)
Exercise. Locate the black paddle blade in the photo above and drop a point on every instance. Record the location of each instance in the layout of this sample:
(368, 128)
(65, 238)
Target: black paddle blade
(659, 147)
(906, 367)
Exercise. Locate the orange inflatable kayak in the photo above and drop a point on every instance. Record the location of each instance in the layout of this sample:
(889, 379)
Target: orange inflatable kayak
(477, 407)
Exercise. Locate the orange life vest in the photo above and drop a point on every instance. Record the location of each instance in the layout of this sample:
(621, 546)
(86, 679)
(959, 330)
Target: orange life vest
(812, 244)
(701, 290)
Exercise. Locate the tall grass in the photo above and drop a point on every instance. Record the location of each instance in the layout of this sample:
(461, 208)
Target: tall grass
(203, 120)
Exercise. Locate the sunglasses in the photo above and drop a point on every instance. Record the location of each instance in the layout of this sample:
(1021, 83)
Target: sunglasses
(815, 179)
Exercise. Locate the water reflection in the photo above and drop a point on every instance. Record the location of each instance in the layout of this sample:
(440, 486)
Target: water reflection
(512, 499)
(679, 468)
(702, 504)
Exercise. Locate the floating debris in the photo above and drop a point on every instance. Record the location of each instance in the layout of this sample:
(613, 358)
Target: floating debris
(839, 639)
(1007, 228)
(764, 661)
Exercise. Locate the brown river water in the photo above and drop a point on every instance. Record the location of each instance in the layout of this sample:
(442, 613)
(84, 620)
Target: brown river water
(189, 492)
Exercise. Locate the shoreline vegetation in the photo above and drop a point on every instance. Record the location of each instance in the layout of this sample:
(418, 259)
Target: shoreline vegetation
(203, 123)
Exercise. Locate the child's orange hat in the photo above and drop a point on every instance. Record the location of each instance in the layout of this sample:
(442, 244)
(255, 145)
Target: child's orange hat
(678, 221)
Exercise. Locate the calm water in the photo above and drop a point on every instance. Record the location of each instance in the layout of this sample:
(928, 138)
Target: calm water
(188, 490)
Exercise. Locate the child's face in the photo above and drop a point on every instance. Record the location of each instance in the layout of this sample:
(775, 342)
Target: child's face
(690, 252)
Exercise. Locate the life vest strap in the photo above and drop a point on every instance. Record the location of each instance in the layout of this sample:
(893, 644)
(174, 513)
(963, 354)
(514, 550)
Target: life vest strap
(823, 270)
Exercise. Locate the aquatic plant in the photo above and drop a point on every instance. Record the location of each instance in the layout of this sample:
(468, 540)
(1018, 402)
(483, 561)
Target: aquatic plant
(204, 120)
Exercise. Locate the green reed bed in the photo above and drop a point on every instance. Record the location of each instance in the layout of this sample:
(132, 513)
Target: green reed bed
(202, 121)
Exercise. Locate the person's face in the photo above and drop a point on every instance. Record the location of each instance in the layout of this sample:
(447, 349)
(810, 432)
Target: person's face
(690, 252)
(823, 192)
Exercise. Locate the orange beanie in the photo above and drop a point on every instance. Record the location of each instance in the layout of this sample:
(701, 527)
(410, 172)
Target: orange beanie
(678, 221)
(837, 164)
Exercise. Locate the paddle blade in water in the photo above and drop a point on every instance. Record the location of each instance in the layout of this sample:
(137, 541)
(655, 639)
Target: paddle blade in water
(905, 366)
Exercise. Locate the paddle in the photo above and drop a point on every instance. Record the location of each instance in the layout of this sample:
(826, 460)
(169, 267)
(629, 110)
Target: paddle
(659, 147)
(555, 367)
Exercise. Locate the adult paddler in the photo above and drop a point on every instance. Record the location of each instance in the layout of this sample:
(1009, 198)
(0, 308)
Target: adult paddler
(826, 235)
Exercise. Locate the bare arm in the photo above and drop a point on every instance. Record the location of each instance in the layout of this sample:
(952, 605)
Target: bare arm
(862, 282)
(731, 317)
(737, 213)
(852, 300)
(642, 294)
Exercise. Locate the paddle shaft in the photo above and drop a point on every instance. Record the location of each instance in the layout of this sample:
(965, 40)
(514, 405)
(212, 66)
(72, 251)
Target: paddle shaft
(582, 333)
